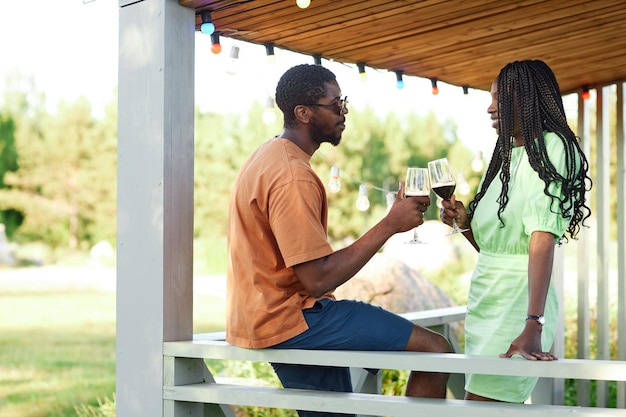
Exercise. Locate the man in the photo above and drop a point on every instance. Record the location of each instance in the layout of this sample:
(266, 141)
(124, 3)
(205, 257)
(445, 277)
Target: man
(281, 269)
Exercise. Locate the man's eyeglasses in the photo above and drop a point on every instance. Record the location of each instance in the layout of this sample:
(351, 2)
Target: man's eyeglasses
(339, 104)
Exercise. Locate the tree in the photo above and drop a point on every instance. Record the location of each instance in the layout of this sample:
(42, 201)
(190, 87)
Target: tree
(65, 185)
(376, 152)
(65, 182)
(8, 163)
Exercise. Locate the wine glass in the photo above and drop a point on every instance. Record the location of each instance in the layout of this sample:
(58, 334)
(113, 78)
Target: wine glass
(443, 184)
(417, 184)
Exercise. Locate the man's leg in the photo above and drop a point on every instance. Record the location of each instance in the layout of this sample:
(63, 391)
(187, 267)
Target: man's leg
(427, 384)
(354, 325)
(315, 378)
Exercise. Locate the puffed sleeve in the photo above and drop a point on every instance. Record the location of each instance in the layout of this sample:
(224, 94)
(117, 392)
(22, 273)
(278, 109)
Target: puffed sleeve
(541, 212)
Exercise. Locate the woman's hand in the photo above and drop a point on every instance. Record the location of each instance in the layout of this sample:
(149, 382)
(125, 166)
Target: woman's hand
(528, 344)
(452, 209)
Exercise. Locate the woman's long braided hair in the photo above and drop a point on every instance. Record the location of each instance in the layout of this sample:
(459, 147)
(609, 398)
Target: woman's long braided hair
(530, 87)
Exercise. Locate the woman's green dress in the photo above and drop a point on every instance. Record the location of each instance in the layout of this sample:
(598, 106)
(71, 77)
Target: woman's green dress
(498, 295)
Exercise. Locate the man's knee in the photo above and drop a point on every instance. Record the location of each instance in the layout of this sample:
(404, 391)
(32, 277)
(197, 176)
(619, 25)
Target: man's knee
(425, 340)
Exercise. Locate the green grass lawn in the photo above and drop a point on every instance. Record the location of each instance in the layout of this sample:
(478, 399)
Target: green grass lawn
(57, 343)
(57, 348)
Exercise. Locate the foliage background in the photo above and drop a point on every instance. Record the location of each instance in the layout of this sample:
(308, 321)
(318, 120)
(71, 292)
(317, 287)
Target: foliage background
(59, 174)
(58, 178)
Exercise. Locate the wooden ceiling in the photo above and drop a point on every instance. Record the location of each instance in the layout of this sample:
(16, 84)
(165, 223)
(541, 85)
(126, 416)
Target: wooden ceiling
(463, 43)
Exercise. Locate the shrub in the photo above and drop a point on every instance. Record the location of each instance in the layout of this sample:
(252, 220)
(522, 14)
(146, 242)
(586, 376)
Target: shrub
(105, 408)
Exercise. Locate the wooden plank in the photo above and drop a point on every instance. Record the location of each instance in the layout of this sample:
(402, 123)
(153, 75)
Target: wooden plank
(437, 316)
(386, 405)
(546, 43)
(433, 362)
(461, 43)
(426, 318)
(440, 31)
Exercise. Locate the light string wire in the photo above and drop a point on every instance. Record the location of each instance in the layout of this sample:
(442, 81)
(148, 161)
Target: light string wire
(478, 158)
(356, 180)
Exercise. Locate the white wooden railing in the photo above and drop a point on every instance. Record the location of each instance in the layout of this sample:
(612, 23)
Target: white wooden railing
(189, 389)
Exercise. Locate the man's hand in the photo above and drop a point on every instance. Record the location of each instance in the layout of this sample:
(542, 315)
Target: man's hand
(407, 213)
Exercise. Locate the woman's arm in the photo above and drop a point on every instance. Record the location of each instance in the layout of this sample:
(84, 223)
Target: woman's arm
(322, 275)
(540, 257)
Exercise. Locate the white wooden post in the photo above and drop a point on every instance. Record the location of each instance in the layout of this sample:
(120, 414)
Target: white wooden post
(621, 238)
(583, 337)
(155, 196)
(603, 245)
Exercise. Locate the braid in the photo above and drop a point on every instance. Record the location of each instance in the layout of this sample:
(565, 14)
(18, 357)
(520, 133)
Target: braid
(532, 89)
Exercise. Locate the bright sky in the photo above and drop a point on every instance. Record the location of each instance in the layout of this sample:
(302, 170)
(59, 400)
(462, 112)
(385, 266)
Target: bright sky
(71, 49)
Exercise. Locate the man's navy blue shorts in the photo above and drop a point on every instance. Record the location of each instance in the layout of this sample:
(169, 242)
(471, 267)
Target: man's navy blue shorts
(340, 325)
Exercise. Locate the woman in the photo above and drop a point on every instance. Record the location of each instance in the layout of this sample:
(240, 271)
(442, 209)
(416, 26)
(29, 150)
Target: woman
(531, 197)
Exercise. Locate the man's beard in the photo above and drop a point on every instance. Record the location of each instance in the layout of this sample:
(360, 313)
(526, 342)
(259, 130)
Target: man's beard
(323, 137)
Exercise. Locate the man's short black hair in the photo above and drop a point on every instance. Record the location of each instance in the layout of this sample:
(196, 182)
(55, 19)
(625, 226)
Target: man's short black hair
(302, 84)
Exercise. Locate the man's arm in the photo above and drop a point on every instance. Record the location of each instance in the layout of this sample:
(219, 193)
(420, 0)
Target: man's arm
(322, 275)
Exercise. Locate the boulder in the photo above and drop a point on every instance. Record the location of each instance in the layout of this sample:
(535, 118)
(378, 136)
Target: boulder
(394, 285)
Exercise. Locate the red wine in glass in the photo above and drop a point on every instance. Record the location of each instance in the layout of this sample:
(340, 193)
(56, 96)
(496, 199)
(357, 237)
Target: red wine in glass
(443, 183)
(444, 191)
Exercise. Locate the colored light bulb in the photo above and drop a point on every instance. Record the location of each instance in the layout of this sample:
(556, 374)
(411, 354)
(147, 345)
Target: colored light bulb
(435, 89)
(207, 28)
(216, 48)
(399, 80)
(585, 94)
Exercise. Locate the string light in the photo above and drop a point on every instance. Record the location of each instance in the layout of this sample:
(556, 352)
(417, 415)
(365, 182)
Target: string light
(462, 184)
(233, 61)
(216, 48)
(362, 73)
(334, 185)
(269, 115)
(390, 198)
(585, 93)
(207, 27)
(303, 4)
(317, 59)
(269, 50)
(399, 81)
(362, 202)
(435, 89)
(478, 163)
(465, 90)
